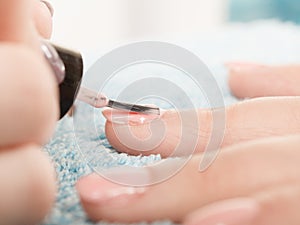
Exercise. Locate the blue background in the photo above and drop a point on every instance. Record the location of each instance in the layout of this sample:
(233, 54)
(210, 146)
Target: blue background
(248, 10)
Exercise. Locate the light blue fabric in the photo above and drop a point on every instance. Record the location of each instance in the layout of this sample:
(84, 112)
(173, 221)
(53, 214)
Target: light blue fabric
(267, 42)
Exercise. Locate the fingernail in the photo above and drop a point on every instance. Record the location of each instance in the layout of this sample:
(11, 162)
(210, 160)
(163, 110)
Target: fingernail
(101, 192)
(131, 118)
(49, 6)
(230, 212)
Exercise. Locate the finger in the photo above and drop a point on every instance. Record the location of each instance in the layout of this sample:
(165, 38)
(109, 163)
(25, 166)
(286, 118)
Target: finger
(245, 121)
(29, 105)
(230, 212)
(18, 24)
(275, 205)
(254, 80)
(279, 205)
(27, 189)
(160, 136)
(237, 172)
(42, 15)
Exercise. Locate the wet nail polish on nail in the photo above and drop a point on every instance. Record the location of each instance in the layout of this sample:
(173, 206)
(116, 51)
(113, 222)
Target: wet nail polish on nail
(131, 118)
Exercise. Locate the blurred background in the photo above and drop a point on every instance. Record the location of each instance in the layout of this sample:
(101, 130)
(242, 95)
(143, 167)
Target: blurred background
(248, 10)
(90, 24)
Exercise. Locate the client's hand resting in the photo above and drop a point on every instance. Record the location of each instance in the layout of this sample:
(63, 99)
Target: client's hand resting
(254, 180)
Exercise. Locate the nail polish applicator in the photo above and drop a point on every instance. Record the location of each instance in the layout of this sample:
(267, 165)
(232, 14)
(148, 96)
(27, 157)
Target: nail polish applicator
(67, 65)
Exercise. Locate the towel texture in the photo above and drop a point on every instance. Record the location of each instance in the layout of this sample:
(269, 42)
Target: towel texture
(266, 42)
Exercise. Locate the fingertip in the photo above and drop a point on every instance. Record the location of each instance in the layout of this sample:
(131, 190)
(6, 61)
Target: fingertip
(42, 16)
(90, 189)
(29, 186)
(107, 113)
(49, 6)
(100, 197)
(241, 78)
(162, 136)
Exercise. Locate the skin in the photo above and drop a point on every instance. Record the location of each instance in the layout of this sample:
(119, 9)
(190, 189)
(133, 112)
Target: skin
(258, 161)
(28, 193)
(29, 111)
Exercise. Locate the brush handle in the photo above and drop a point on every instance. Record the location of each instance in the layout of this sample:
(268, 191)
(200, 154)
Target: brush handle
(97, 100)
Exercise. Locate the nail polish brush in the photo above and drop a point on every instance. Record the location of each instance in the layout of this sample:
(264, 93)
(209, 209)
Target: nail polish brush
(67, 66)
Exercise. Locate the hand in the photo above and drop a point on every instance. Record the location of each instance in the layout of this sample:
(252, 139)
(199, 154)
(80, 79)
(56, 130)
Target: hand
(253, 181)
(29, 110)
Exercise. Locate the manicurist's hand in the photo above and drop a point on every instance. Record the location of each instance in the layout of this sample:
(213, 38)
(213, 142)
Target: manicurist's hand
(253, 181)
(28, 112)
